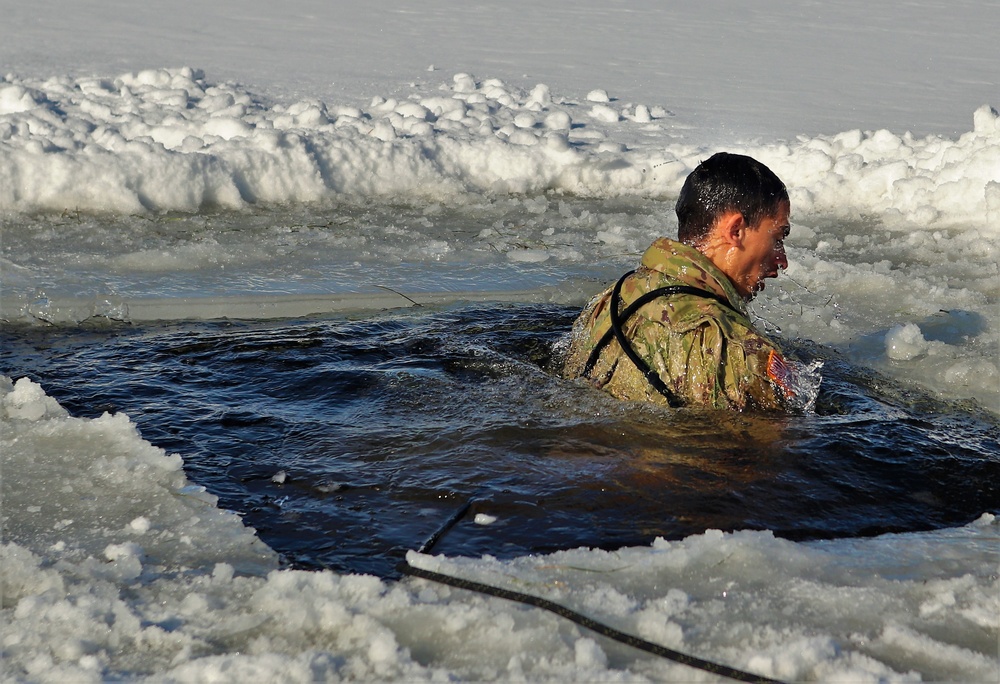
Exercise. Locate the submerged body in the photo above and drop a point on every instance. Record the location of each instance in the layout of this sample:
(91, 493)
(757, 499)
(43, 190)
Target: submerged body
(706, 352)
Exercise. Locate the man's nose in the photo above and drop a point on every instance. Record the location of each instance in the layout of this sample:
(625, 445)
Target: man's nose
(781, 259)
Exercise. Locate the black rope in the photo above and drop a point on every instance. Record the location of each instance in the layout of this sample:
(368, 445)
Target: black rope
(584, 621)
(618, 320)
(448, 524)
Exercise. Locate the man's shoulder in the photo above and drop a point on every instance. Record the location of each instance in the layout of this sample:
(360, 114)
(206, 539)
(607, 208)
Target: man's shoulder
(683, 313)
(690, 308)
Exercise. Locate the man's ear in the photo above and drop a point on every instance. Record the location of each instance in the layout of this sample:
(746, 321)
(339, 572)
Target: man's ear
(731, 228)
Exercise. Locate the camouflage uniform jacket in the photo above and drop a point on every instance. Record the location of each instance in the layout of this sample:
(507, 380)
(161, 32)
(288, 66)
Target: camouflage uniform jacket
(706, 353)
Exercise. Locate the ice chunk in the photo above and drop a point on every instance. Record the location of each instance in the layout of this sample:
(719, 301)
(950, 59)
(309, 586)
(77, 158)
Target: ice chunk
(905, 342)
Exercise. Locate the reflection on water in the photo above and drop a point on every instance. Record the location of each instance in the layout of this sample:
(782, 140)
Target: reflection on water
(346, 442)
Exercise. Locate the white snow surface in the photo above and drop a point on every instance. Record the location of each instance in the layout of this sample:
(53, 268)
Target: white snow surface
(771, 68)
(879, 117)
(170, 140)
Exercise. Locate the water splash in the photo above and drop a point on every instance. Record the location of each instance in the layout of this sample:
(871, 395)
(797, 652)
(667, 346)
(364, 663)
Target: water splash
(805, 380)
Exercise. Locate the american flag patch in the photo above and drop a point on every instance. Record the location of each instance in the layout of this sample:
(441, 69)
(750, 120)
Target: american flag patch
(780, 373)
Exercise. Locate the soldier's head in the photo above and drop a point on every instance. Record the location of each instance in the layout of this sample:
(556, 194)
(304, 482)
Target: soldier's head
(735, 211)
(725, 183)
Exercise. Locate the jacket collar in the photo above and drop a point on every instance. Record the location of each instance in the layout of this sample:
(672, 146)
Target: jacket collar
(688, 266)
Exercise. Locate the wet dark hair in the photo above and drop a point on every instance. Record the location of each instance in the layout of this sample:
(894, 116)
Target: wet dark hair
(726, 182)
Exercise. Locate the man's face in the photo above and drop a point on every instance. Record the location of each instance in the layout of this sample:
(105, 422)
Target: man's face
(762, 254)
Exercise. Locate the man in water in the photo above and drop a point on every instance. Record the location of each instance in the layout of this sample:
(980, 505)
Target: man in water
(675, 331)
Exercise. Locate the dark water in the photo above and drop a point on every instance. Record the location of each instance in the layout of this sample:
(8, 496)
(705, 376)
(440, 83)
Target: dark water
(346, 442)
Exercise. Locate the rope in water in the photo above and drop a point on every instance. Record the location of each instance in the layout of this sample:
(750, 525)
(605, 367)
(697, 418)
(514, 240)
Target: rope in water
(584, 621)
(571, 615)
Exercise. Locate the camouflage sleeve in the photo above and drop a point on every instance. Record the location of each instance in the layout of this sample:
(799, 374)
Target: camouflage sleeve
(748, 379)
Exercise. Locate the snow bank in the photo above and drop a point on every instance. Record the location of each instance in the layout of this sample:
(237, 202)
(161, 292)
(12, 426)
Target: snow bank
(114, 567)
(170, 140)
(930, 182)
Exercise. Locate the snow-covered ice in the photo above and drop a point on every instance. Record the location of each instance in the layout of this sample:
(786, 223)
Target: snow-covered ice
(171, 160)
